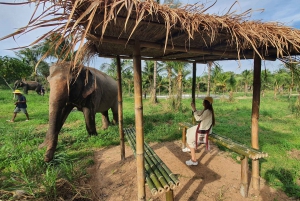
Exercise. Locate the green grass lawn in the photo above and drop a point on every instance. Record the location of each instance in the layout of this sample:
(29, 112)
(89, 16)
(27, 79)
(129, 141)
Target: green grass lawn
(22, 166)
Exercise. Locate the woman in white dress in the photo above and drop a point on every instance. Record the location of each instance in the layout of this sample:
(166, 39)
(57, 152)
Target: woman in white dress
(206, 117)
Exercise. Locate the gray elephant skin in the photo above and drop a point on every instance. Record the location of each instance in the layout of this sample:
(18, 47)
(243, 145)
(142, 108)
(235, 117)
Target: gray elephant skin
(28, 85)
(89, 89)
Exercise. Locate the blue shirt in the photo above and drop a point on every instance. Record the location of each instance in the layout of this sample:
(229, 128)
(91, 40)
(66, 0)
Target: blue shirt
(21, 105)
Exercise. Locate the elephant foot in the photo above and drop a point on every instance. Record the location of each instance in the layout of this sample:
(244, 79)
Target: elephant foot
(49, 156)
(93, 134)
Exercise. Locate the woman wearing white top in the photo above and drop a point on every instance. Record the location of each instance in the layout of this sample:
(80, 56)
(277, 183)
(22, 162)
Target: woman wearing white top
(207, 120)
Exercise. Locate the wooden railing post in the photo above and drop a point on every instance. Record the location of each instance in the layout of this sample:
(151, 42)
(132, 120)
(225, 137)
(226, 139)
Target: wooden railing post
(184, 137)
(244, 177)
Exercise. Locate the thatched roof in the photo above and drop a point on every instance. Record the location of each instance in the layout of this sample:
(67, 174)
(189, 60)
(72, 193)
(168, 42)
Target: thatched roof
(112, 27)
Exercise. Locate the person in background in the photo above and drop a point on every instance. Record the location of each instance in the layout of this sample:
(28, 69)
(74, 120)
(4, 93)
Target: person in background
(207, 121)
(42, 91)
(20, 105)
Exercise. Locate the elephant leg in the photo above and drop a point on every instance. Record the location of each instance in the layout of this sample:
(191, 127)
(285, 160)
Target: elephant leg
(25, 89)
(51, 138)
(105, 120)
(115, 118)
(90, 121)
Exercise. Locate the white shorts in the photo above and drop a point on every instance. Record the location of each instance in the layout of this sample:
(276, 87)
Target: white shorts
(17, 110)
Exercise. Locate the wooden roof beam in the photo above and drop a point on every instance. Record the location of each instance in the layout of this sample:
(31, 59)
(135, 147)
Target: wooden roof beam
(114, 40)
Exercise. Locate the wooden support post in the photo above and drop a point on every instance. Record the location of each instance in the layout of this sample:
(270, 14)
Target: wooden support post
(194, 89)
(170, 195)
(255, 117)
(244, 177)
(120, 108)
(138, 102)
(184, 137)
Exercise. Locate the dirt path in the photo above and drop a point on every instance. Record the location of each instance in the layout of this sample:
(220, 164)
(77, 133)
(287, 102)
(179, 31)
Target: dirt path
(217, 177)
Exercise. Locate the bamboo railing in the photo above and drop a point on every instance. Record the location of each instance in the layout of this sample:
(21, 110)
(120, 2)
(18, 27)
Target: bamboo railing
(159, 177)
(230, 144)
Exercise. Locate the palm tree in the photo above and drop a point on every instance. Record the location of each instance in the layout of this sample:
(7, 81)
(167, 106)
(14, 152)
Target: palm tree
(180, 68)
(232, 84)
(247, 79)
(266, 80)
(169, 68)
(127, 75)
(111, 68)
(216, 78)
(209, 67)
(294, 70)
(31, 57)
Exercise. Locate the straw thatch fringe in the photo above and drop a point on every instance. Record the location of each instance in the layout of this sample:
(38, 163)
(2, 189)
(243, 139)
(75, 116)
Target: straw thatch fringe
(74, 19)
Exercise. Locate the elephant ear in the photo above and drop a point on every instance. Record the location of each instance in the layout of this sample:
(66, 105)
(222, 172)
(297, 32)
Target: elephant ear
(89, 82)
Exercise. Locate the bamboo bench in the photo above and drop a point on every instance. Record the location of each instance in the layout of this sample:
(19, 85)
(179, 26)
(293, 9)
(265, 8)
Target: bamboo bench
(241, 149)
(159, 177)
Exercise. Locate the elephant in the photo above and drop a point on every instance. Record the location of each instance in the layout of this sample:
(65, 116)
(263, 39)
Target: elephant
(86, 88)
(28, 85)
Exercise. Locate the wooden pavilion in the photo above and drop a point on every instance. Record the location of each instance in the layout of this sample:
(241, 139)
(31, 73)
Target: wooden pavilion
(145, 30)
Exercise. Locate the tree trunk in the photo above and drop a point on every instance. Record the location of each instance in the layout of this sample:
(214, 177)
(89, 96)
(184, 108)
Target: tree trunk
(170, 82)
(153, 94)
(179, 90)
(246, 89)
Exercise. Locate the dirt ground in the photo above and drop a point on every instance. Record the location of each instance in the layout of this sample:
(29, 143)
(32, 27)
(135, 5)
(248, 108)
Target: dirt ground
(217, 176)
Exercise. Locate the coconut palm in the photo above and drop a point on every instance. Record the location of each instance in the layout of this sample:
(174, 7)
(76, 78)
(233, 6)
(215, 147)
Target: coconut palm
(246, 80)
(111, 68)
(180, 68)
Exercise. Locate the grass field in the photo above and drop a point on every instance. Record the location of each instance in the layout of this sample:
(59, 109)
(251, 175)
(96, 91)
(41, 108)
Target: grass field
(22, 166)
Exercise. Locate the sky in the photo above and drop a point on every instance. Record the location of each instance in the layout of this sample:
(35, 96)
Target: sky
(283, 11)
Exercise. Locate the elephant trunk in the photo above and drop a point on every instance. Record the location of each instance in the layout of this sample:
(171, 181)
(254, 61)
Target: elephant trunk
(57, 103)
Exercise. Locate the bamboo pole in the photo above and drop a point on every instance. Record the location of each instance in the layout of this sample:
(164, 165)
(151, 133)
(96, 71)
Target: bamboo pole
(162, 171)
(159, 173)
(138, 102)
(169, 195)
(154, 181)
(244, 177)
(171, 175)
(255, 117)
(152, 169)
(120, 108)
(184, 137)
(193, 90)
(151, 186)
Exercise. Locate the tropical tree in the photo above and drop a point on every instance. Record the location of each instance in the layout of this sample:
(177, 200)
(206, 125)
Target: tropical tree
(127, 79)
(232, 85)
(247, 78)
(180, 68)
(294, 71)
(111, 68)
(209, 68)
(31, 57)
(12, 69)
(217, 78)
(266, 81)
(168, 66)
